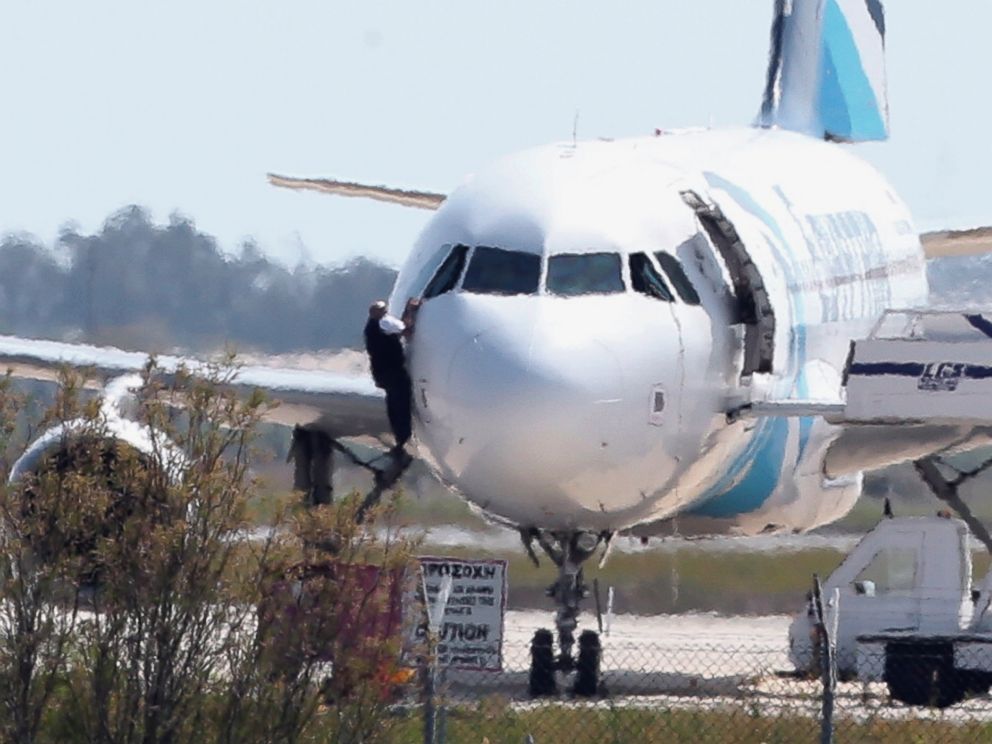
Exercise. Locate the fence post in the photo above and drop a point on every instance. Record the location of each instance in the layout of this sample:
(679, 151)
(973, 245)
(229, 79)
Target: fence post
(430, 717)
(442, 709)
(828, 666)
(435, 616)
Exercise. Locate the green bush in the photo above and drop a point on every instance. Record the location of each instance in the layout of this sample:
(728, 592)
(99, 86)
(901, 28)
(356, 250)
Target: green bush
(136, 603)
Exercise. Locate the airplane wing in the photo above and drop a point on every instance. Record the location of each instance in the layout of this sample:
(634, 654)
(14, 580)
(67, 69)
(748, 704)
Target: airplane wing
(339, 405)
(935, 244)
(403, 197)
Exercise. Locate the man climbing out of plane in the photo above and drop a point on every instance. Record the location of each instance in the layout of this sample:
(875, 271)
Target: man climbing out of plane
(383, 333)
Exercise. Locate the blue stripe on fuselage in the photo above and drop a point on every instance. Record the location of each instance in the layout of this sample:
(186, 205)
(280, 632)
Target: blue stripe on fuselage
(752, 477)
(751, 492)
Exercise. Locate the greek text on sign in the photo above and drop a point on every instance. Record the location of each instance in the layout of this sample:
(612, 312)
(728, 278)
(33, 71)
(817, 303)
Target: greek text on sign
(470, 635)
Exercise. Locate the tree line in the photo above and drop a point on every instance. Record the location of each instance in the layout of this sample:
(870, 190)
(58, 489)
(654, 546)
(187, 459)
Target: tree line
(158, 288)
(153, 287)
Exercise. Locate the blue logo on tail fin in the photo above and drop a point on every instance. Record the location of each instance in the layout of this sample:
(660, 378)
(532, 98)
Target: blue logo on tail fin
(826, 75)
(849, 109)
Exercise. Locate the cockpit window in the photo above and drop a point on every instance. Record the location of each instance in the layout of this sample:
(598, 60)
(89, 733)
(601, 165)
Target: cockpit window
(645, 278)
(677, 275)
(573, 274)
(446, 276)
(498, 271)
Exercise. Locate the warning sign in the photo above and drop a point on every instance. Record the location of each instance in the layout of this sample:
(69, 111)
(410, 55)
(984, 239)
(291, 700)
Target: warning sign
(470, 635)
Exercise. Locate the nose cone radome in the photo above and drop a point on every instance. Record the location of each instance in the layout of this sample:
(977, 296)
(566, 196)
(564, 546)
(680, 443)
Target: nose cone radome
(538, 416)
(539, 409)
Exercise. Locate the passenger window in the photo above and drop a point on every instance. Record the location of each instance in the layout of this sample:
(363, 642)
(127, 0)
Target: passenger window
(573, 274)
(644, 278)
(891, 570)
(676, 274)
(448, 272)
(497, 271)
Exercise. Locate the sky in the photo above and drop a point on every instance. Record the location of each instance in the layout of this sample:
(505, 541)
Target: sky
(184, 106)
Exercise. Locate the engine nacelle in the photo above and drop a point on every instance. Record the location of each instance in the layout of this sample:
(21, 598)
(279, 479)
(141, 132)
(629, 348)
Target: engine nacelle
(153, 448)
(100, 448)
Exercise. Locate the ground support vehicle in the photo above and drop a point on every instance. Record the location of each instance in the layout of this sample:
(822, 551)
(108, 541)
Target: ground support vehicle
(901, 609)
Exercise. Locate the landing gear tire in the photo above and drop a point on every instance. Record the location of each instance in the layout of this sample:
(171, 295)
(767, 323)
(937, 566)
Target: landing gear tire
(568, 551)
(587, 668)
(542, 665)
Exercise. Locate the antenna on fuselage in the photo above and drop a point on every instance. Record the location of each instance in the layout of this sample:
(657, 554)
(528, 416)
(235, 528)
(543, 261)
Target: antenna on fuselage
(575, 128)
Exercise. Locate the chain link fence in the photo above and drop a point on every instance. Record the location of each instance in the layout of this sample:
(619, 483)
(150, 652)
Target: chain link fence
(700, 691)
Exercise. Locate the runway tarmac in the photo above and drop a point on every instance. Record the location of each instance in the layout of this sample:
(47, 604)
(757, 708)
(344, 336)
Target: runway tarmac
(697, 643)
(500, 539)
(695, 661)
(694, 654)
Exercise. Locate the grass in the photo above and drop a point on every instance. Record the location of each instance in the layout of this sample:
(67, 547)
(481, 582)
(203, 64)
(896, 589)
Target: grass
(683, 580)
(868, 511)
(554, 723)
(672, 580)
(422, 502)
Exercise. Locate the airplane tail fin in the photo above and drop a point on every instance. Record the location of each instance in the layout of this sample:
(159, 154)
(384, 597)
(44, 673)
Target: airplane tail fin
(826, 72)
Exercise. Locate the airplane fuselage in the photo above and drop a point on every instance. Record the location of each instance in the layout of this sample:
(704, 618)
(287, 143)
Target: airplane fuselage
(557, 385)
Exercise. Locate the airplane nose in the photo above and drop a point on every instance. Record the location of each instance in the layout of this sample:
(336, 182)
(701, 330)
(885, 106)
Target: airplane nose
(550, 379)
(543, 406)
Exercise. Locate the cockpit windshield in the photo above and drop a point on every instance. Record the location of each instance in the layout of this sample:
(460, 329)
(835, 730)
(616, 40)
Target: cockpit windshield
(446, 277)
(574, 274)
(677, 274)
(646, 279)
(498, 271)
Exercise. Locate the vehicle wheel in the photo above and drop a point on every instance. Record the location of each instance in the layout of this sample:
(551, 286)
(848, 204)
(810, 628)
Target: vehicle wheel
(542, 664)
(910, 680)
(951, 688)
(587, 668)
(923, 676)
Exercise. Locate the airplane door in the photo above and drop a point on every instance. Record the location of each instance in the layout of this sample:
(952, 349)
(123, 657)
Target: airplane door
(751, 306)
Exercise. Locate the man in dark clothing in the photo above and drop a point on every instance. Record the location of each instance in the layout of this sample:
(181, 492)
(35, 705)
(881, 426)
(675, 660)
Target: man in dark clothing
(383, 334)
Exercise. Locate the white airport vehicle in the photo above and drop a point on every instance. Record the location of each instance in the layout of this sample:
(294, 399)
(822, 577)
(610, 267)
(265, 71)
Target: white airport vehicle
(621, 332)
(906, 612)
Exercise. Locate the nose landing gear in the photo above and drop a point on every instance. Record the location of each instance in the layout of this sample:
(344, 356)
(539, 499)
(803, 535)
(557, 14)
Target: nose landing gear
(568, 551)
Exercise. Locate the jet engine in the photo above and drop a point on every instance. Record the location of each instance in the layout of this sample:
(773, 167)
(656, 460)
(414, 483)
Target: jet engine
(129, 465)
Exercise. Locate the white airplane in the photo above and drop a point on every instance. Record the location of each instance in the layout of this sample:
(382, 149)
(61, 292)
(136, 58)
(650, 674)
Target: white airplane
(603, 322)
